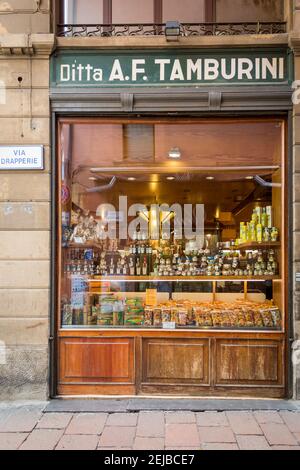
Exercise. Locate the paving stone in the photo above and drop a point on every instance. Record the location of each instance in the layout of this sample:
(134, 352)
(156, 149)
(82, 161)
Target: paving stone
(219, 446)
(180, 417)
(212, 418)
(252, 442)
(219, 434)
(278, 434)
(285, 447)
(242, 422)
(182, 449)
(292, 420)
(122, 419)
(113, 448)
(19, 420)
(78, 442)
(182, 435)
(42, 439)
(117, 436)
(87, 423)
(11, 441)
(54, 420)
(149, 443)
(151, 424)
(267, 417)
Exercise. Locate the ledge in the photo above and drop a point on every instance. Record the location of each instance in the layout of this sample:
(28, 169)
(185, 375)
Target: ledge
(26, 44)
(164, 99)
(257, 40)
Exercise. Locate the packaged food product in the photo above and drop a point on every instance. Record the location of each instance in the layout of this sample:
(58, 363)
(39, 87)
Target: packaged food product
(182, 316)
(267, 317)
(67, 314)
(165, 314)
(174, 315)
(148, 316)
(276, 315)
(157, 316)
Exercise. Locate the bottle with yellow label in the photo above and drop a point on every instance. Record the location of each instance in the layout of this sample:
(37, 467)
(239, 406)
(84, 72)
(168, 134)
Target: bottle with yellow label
(259, 233)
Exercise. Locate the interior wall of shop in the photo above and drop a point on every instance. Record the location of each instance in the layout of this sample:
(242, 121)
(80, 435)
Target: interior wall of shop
(25, 47)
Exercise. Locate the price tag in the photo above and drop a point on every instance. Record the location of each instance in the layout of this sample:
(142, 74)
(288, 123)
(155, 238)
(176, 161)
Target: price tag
(168, 325)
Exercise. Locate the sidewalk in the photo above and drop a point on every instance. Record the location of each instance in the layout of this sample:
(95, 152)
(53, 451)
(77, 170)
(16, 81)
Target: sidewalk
(32, 426)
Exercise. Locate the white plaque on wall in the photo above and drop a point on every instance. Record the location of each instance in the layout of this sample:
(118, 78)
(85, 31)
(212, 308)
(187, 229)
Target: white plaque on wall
(25, 157)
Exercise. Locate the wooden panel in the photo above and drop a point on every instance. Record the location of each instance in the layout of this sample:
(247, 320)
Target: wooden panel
(84, 360)
(249, 362)
(175, 361)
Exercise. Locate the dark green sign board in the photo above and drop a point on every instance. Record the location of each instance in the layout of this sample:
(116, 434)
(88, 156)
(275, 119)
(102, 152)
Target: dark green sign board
(170, 67)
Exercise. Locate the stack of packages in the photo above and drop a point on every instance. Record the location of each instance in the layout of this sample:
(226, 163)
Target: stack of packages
(134, 311)
(215, 314)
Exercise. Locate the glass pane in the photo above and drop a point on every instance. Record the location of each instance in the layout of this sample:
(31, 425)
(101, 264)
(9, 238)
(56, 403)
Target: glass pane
(172, 222)
(82, 12)
(249, 10)
(189, 11)
(132, 11)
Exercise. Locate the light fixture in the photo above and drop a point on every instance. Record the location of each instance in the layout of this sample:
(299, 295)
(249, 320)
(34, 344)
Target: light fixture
(174, 153)
(210, 178)
(172, 30)
(170, 178)
(249, 177)
(131, 178)
(92, 178)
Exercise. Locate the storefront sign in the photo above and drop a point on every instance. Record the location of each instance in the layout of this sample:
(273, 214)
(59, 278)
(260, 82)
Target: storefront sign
(28, 157)
(170, 67)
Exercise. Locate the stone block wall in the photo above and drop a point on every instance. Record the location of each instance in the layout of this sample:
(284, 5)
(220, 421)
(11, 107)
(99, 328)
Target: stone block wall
(25, 48)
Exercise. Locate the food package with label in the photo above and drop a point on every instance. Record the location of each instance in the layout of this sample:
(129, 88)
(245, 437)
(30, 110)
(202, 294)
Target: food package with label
(275, 312)
(174, 315)
(267, 317)
(134, 311)
(165, 314)
(105, 314)
(157, 316)
(148, 316)
(182, 316)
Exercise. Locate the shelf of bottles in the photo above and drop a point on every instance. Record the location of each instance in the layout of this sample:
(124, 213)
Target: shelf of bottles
(169, 283)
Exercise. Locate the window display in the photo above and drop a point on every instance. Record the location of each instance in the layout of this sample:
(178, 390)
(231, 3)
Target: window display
(170, 224)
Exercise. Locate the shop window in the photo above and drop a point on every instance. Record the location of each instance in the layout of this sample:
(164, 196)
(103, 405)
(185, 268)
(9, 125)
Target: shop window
(248, 10)
(189, 11)
(132, 11)
(172, 223)
(82, 12)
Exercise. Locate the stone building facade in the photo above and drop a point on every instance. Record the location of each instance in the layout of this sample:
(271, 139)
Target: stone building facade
(27, 40)
(26, 45)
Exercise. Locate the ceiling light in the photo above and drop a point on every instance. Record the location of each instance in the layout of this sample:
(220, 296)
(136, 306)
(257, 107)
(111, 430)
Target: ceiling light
(172, 30)
(131, 178)
(92, 178)
(210, 178)
(174, 153)
(170, 178)
(249, 178)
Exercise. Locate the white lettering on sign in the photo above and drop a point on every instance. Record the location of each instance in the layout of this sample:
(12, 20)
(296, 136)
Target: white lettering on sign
(28, 157)
(163, 70)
